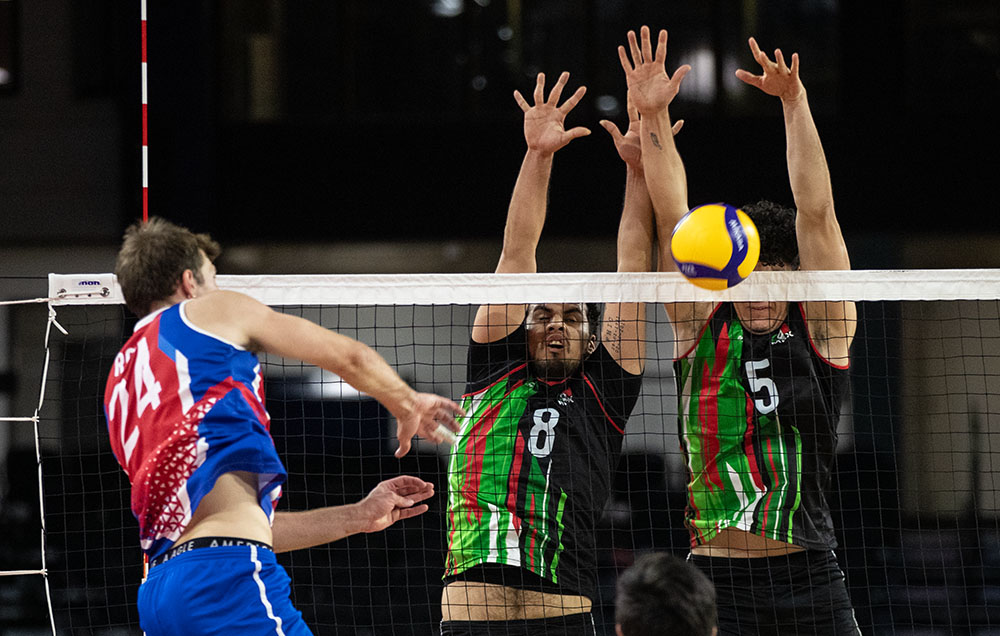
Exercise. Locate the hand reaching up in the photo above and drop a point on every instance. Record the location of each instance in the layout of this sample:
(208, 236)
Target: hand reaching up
(778, 79)
(651, 88)
(629, 145)
(543, 121)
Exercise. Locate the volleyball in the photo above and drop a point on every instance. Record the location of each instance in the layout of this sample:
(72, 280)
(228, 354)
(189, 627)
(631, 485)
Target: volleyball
(715, 246)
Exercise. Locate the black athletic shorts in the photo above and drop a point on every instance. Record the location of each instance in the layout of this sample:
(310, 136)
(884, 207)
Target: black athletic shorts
(581, 624)
(800, 593)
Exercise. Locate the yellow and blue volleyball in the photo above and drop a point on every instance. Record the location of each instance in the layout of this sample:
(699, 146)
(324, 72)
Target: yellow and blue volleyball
(715, 246)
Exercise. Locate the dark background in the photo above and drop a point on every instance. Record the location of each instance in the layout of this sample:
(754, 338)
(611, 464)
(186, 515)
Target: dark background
(396, 123)
(394, 120)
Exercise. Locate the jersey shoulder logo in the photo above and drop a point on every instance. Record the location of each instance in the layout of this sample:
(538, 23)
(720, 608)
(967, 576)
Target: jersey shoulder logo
(783, 334)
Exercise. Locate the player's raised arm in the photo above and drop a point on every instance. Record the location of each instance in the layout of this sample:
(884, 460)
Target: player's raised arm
(821, 244)
(250, 323)
(820, 240)
(624, 330)
(652, 91)
(544, 134)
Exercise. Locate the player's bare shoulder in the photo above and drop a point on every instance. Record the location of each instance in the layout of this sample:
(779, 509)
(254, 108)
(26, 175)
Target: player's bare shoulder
(229, 315)
(687, 321)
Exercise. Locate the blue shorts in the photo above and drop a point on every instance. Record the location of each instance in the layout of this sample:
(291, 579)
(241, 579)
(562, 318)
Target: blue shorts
(223, 590)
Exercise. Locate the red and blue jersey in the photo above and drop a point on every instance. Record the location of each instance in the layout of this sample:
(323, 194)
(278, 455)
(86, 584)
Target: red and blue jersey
(183, 408)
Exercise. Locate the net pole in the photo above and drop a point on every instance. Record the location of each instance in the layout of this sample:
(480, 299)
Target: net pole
(43, 571)
(145, 146)
(38, 458)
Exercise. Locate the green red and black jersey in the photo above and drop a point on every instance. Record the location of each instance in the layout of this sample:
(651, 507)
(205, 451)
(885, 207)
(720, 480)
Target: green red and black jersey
(531, 471)
(757, 418)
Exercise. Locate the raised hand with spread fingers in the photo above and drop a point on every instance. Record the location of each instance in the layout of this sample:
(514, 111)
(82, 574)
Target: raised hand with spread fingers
(544, 129)
(651, 88)
(778, 78)
(544, 134)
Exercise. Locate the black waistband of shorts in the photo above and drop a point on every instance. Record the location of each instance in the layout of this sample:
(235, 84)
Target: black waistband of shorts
(798, 559)
(509, 575)
(205, 542)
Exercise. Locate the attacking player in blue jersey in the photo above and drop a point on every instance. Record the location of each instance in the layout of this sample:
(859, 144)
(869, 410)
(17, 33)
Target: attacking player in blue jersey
(185, 408)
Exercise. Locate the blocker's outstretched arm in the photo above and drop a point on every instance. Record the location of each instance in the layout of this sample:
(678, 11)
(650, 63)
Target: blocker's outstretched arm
(820, 240)
(652, 91)
(821, 243)
(624, 328)
(544, 133)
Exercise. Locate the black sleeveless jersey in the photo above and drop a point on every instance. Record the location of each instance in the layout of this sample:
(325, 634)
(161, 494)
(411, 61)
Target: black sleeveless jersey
(757, 418)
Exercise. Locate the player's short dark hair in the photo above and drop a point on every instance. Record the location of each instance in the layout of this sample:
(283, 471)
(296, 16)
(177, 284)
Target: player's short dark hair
(663, 594)
(153, 258)
(776, 227)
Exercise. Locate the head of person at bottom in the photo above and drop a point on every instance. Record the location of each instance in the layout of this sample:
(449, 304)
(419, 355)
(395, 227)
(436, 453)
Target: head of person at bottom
(153, 259)
(663, 594)
(779, 251)
(560, 337)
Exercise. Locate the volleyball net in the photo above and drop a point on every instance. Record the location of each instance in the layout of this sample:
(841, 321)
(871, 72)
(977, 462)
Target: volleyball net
(913, 496)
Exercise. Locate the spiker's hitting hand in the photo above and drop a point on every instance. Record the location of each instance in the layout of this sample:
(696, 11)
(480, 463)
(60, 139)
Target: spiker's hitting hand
(778, 79)
(430, 416)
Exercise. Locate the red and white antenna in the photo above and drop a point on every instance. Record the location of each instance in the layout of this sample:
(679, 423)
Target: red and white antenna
(145, 185)
(145, 147)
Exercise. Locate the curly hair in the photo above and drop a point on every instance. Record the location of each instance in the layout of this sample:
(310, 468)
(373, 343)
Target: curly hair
(776, 226)
(153, 258)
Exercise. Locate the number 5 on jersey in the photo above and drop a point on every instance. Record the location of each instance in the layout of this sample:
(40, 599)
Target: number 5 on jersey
(769, 401)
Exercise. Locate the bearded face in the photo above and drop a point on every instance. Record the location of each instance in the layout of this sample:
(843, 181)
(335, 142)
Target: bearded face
(559, 339)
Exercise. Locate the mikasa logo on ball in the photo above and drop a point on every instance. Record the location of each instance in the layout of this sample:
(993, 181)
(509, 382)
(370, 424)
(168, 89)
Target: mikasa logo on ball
(736, 230)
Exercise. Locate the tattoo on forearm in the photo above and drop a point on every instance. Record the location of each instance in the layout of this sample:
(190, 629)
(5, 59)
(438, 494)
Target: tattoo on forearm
(613, 342)
(656, 141)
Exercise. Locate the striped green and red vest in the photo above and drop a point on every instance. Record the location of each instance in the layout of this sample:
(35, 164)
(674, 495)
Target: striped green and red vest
(531, 471)
(757, 418)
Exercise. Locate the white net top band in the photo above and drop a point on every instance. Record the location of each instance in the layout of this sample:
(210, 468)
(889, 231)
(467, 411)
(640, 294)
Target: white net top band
(433, 289)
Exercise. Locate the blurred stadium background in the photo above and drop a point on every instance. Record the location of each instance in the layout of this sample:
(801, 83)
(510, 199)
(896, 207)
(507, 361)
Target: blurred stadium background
(376, 136)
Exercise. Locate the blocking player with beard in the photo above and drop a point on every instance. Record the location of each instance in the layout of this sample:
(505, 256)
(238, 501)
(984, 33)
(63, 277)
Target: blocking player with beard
(549, 390)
